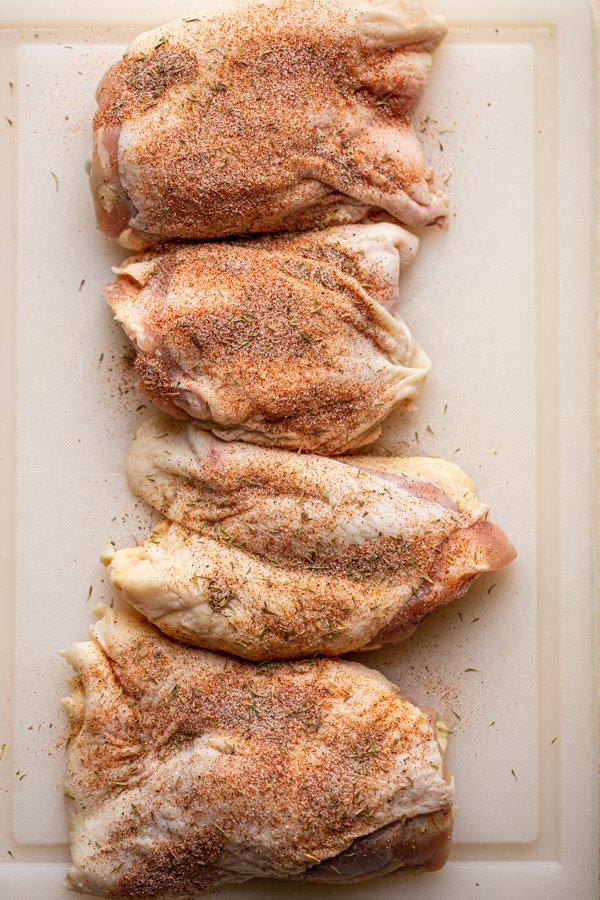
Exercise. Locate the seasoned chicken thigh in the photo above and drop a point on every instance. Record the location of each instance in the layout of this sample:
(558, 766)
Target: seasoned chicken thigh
(289, 341)
(188, 769)
(266, 115)
(273, 555)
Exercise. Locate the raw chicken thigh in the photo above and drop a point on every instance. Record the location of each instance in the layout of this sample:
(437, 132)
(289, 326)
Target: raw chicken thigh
(271, 554)
(288, 341)
(267, 115)
(187, 769)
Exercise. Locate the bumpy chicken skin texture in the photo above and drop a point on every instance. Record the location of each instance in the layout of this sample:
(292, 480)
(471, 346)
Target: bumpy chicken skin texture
(263, 116)
(288, 341)
(187, 769)
(273, 555)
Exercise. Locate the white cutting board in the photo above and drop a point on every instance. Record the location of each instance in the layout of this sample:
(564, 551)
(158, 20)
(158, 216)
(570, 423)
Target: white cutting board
(503, 304)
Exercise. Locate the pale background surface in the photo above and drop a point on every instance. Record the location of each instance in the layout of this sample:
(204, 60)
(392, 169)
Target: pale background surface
(74, 429)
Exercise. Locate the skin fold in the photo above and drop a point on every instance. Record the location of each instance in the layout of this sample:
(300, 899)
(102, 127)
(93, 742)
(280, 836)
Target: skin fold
(187, 769)
(266, 116)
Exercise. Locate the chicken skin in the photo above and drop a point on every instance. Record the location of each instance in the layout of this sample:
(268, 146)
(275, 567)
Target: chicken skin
(289, 341)
(269, 554)
(187, 769)
(266, 116)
